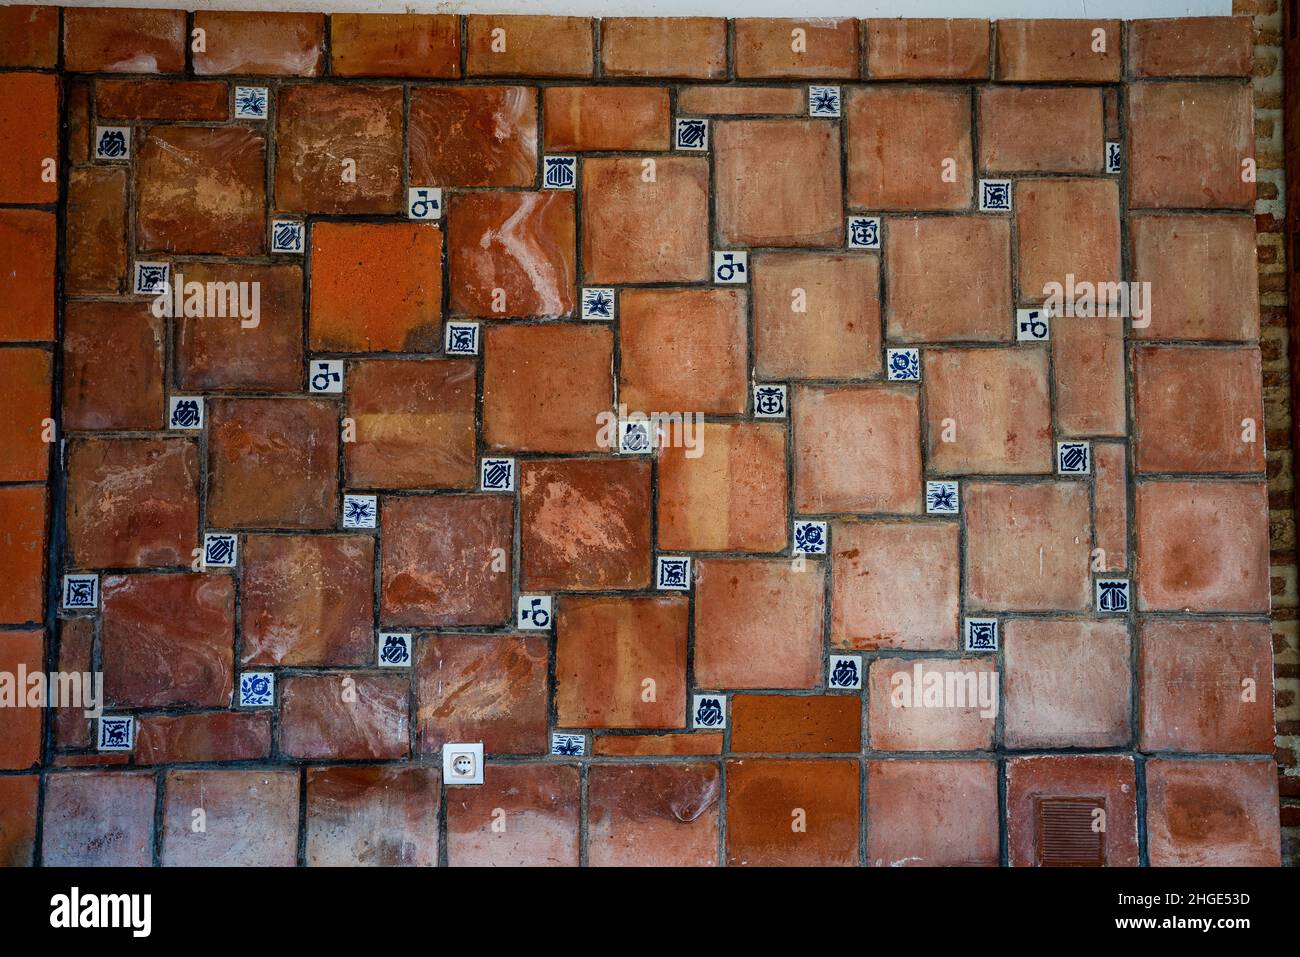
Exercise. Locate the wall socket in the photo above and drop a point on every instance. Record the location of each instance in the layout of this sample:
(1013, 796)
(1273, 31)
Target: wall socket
(462, 763)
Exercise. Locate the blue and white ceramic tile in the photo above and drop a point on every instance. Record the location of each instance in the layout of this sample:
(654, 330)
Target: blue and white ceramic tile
(1073, 458)
(395, 649)
(151, 279)
(810, 538)
(569, 745)
(691, 134)
(864, 232)
(598, 302)
(496, 475)
(635, 437)
(113, 143)
(730, 267)
(559, 172)
(844, 673)
(115, 733)
(80, 592)
(424, 202)
(287, 236)
(461, 339)
(252, 102)
(981, 634)
(185, 412)
(995, 195)
(326, 376)
(903, 365)
(220, 550)
(1114, 159)
(534, 613)
(942, 498)
(256, 689)
(709, 712)
(462, 762)
(770, 401)
(824, 101)
(360, 511)
(1032, 325)
(1113, 595)
(673, 573)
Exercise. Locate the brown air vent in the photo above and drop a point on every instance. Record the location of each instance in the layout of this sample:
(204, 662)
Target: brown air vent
(1064, 835)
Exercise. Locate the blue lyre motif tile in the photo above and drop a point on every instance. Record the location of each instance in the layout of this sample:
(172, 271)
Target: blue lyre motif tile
(395, 649)
(1032, 325)
(864, 232)
(598, 303)
(730, 267)
(1114, 162)
(151, 279)
(423, 202)
(844, 673)
(496, 475)
(709, 711)
(287, 236)
(673, 573)
(116, 733)
(691, 134)
(559, 172)
(995, 195)
(1073, 458)
(569, 745)
(903, 365)
(941, 498)
(534, 612)
(185, 412)
(360, 511)
(461, 339)
(252, 102)
(1112, 595)
(113, 143)
(220, 550)
(810, 538)
(769, 401)
(80, 592)
(824, 101)
(326, 376)
(256, 689)
(981, 634)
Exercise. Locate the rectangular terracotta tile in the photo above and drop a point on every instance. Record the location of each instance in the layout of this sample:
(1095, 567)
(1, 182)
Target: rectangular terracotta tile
(406, 44)
(29, 37)
(28, 241)
(932, 704)
(19, 794)
(72, 729)
(970, 300)
(1191, 46)
(162, 100)
(1212, 813)
(1088, 373)
(909, 148)
(260, 42)
(800, 813)
(372, 816)
(113, 366)
(120, 40)
(683, 47)
(795, 724)
(26, 395)
(932, 813)
(596, 118)
(741, 100)
(822, 49)
(95, 240)
(206, 736)
(345, 716)
(650, 745)
(250, 816)
(529, 46)
(1049, 51)
(653, 815)
(920, 49)
(523, 815)
(473, 136)
(1110, 507)
(1066, 123)
(99, 819)
(1109, 780)
(22, 562)
(24, 725)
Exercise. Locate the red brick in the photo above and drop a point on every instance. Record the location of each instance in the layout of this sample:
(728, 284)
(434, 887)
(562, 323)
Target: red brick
(1194, 695)
(19, 794)
(29, 135)
(792, 813)
(113, 366)
(535, 810)
(372, 816)
(1110, 505)
(95, 244)
(1212, 813)
(345, 716)
(98, 819)
(23, 742)
(26, 386)
(529, 46)
(272, 463)
(1088, 371)
(769, 48)
(683, 47)
(795, 724)
(29, 36)
(741, 100)
(653, 815)
(607, 649)
(1111, 779)
(132, 502)
(261, 42)
(593, 118)
(489, 688)
(1191, 46)
(473, 136)
(22, 561)
(28, 240)
(737, 648)
(969, 299)
(585, 525)
(445, 560)
(123, 41)
(210, 736)
(629, 745)
(931, 704)
(1067, 227)
(162, 100)
(932, 813)
(72, 729)
(250, 818)
(1202, 545)
(1066, 123)
(406, 44)
(902, 142)
(761, 199)
(920, 49)
(1036, 51)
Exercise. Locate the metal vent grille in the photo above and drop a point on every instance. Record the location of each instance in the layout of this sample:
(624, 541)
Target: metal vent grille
(1064, 833)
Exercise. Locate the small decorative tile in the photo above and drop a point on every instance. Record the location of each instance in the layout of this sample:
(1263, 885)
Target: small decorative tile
(394, 650)
(559, 172)
(903, 365)
(730, 267)
(709, 711)
(185, 412)
(257, 689)
(80, 592)
(864, 232)
(326, 376)
(534, 613)
(769, 401)
(360, 511)
(824, 101)
(692, 134)
(461, 339)
(462, 763)
(844, 673)
(112, 143)
(673, 573)
(1112, 594)
(1073, 458)
(995, 195)
(634, 437)
(151, 279)
(496, 475)
(1032, 325)
(287, 236)
(220, 550)
(252, 102)
(597, 302)
(810, 538)
(942, 498)
(116, 733)
(1113, 160)
(423, 202)
(569, 745)
(981, 634)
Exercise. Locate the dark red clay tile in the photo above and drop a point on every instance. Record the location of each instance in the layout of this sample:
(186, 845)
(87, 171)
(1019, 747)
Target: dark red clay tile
(345, 716)
(28, 241)
(22, 560)
(692, 48)
(816, 316)
(683, 350)
(473, 135)
(653, 815)
(1202, 546)
(595, 118)
(920, 49)
(1068, 136)
(113, 366)
(741, 100)
(372, 816)
(726, 494)
(1107, 779)
(1212, 813)
(209, 736)
(95, 244)
(319, 128)
(29, 139)
(545, 386)
(99, 819)
(969, 299)
(29, 37)
(272, 463)
(76, 108)
(1191, 46)
(822, 49)
(168, 640)
(132, 502)
(528, 46)
(931, 704)
(1048, 51)
(445, 560)
(1110, 505)
(621, 662)
(1088, 372)
(1198, 410)
(201, 190)
(414, 424)
(72, 729)
(909, 148)
(737, 648)
(162, 100)
(764, 196)
(307, 600)
(645, 745)
(795, 724)
(637, 231)
(22, 744)
(1067, 227)
(512, 254)
(407, 44)
(261, 43)
(792, 813)
(894, 585)
(489, 688)
(1066, 684)
(1205, 686)
(932, 813)
(123, 41)
(522, 815)
(19, 794)
(26, 392)
(250, 818)
(857, 449)
(585, 525)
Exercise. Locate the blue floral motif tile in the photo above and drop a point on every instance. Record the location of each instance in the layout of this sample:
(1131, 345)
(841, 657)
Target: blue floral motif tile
(942, 498)
(995, 195)
(770, 401)
(80, 592)
(864, 232)
(496, 475)
(1032, 325)
(981, 634)
(673, 573)
(1114, 160)
(423, 202)
(185, 412)
(810, 538)
(115, 733)
(730, 267)
(1113, 595)
(252, 102)
(559, 172)
(569, 745)
(462, 762)
(1073, 458)
(903, 365)
(635, 437)
(461, 339)
(220, 550)
(256, 689)
(151, 279)
(844, 673)
(113, 143)
(360, 511)
(691, 134)
(598, 302)
(287, 236)
(824, 101)
(325, 376)
(709, 711)
(534, 613)
(395, 649)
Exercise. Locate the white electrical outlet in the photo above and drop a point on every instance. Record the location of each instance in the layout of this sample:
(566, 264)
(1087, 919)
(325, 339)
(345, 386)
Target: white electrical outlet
(462, 763)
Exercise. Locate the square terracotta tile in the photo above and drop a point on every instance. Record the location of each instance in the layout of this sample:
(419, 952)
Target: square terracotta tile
(345, 716)
(621, 662)
(24, 741)
(251, 818)
(528, 46)
(473, 136)
(372, 816)
(932, 704)
(685, 47)
(29, 132)
(22, 562)
(653, 815)
(31, 36)
(98, 819)
(605, 118)
(113, 366)
(26, 396)
(1089, 377)
(909, 148)
(94, 235)
(19, 794)
(584, 525)
(1041, 129)
(261, 42)
(795, 724)
(1066, 227)
(736, 646)
(926, 49)
(406, 44)
(538, 805)
(789, 49)
(1212, 813)
(798, 813)
(932, 813)
(28, 241)
(1108, 780)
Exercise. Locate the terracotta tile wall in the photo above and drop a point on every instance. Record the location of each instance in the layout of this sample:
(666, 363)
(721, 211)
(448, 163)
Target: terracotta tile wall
(902, 190)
